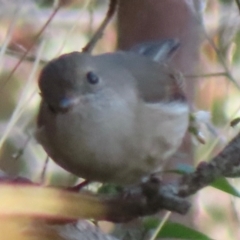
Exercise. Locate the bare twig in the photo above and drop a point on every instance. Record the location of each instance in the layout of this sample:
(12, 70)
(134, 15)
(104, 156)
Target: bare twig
(221, 59)
(44, 170)
(207, 75)
(98, 34)
(20, 151)
(21, 54)
(161, 224)
(9, 34)
(238, 4)
(31, 46)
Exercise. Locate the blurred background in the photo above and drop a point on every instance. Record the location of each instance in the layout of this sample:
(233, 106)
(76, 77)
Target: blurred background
(214, 87)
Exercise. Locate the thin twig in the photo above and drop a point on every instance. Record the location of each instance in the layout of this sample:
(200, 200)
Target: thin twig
(20, 151)
(31, 46)
(21, 104)
(26, 58)
(73, 27)
(207, 75)
(238, 4)
(98, 34)
(219, 54)
(9, 35)
(228, 74)
(44, 170)
(161, 224)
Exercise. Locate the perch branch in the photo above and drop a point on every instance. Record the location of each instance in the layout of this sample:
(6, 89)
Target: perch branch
(153, 196)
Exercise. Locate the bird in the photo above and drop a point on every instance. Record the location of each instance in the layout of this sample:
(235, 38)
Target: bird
(115, 117)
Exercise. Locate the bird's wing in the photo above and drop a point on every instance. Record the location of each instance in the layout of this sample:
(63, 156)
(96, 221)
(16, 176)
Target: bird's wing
(158, 51)
(155, 81)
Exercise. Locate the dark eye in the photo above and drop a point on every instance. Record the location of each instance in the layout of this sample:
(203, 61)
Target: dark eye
(92, 78)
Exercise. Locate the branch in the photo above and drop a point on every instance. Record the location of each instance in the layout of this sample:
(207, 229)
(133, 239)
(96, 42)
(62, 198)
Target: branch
(225, 164)
(144, 199)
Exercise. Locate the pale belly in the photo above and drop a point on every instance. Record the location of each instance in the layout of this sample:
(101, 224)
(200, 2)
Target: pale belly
(116, 152)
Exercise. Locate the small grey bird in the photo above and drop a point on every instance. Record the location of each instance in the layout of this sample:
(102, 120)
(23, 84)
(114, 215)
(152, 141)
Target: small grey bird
(115, 117)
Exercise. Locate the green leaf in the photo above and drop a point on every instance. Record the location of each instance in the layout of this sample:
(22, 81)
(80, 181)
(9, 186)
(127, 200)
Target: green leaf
(179, 231)
(223, 185)
(175, 230)
(109, 188)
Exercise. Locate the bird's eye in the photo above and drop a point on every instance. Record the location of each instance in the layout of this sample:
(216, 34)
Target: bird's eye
(92, 78)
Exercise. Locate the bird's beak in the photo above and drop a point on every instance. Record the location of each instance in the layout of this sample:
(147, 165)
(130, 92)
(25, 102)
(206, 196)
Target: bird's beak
(68, 103)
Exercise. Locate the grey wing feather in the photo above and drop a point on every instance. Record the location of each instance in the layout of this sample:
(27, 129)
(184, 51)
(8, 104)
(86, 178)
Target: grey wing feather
(158, 51)
(155, 81)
